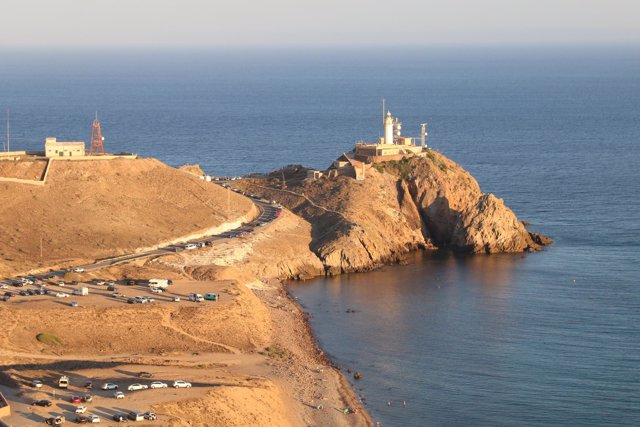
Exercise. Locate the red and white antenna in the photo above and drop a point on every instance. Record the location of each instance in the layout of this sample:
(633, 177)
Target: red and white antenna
(97, 141)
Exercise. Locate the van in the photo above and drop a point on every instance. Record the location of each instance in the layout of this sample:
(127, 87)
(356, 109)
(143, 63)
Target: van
(81, 291)
(196, 297)
(136, 416)
(159, 283)
(63, 382)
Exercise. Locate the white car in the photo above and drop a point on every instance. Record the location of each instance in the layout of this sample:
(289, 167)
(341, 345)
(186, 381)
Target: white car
(81, 409)
(100, 282)
(36, 383)
(4, 286)
(109, 386)
(156, 290)
(94, 419)
(191, 246)
(62, 295)
(78, 270)
(137, 386)
(181, 384)
(61, 283)
(118, 395)
(26, 281)
(158, 384)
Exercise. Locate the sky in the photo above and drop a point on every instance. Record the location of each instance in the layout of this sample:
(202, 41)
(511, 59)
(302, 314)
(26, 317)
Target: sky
(316, 22)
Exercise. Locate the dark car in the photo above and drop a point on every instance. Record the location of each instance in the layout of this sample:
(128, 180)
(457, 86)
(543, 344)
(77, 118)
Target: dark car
(10, 294)
(23, 293)
(45, 403)
(82, 419)
(121, 418)
(131, 282)
(112, 288)
(6, 298)
(131, 300)
(144, 374)
(86, 398)
(88, 384)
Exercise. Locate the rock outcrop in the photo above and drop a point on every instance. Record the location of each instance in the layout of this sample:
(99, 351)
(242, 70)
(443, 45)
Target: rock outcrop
(429, 202)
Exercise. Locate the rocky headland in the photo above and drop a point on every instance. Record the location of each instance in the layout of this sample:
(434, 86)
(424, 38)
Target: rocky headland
(421, 202)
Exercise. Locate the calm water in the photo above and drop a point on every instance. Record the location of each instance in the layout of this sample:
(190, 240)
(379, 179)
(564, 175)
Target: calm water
(547, 339)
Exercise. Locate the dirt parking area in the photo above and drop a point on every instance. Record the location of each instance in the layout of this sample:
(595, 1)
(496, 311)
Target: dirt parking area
(203, 373)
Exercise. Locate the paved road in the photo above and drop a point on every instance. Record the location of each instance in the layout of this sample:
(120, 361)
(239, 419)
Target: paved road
(268, 212)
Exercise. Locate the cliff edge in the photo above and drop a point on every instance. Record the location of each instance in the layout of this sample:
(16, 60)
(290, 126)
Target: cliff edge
(421, 202)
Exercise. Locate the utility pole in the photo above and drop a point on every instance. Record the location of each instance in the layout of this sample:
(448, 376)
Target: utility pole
(8, 146)
(284, 183)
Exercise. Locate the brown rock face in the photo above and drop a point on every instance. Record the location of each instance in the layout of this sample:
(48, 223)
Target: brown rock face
(428, 202)
(457, 215)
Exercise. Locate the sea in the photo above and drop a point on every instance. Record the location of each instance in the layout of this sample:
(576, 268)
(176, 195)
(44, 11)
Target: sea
(543, 339)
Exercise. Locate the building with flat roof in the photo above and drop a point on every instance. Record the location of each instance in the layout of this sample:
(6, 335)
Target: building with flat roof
(55, 148)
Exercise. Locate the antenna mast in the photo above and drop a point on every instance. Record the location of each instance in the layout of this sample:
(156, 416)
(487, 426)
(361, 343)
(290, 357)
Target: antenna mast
(8, 145)
(97, 141)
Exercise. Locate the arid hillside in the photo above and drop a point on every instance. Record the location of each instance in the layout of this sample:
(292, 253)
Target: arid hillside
(93, 209)
(428, 202)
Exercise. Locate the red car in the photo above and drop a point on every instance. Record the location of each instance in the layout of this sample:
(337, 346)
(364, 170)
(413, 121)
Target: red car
(76, 399)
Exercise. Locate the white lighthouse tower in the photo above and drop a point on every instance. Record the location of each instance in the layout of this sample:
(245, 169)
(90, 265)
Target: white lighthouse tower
(388, 128)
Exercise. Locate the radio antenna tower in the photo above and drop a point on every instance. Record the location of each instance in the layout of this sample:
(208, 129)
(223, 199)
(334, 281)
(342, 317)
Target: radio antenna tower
(97, 141)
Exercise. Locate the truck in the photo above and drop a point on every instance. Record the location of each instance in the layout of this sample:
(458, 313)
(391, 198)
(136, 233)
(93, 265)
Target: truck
(63, 382)
(81, 291)
(159, 283)
(196, 297)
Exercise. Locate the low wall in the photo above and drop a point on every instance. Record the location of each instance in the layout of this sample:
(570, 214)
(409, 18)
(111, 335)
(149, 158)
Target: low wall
(91, 158)
(22, 181)
(5, 409)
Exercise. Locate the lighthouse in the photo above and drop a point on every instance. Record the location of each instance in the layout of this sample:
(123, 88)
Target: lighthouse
(388, 129)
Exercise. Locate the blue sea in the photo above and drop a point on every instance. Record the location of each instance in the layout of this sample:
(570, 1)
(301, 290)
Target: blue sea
(551, 338)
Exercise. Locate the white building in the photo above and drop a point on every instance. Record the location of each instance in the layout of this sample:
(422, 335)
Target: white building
(54, 148)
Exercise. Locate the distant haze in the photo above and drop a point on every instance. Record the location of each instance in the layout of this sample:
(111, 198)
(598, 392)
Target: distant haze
(316, 22)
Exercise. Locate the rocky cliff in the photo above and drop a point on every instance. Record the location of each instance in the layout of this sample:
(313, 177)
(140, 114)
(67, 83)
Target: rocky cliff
(428, 202)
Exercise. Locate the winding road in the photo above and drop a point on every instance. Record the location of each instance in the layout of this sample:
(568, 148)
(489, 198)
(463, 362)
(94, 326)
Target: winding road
(268, 212)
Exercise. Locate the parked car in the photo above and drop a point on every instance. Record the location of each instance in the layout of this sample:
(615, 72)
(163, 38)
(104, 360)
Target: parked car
(109, 386)
(158, 384)
(82, 419)
(190, 246)
(55, 421)
(81, 409)
(10, 294)
(137, 386)
(117, 294)
(196, 297)
(87, 398)
(6, 298)
(156, 290)
(100, 282)
(88, 384)
(36, 383)
(131, 301)
(78, 270)
(75, 399)
(211, 296)
(74, 304)
(61, 283)
(121, 418)
(94, 419)
(4, 286)
(111, 288)
(62, 295)
(181, 384)
(176, 299)
(151, 416)
(118, 395)
(45, 403)
(145, 374)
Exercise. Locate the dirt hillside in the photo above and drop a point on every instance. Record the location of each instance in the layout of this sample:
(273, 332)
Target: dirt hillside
(92, 209)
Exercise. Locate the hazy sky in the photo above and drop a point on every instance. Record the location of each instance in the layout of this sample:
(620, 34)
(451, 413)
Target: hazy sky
(317, 22)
